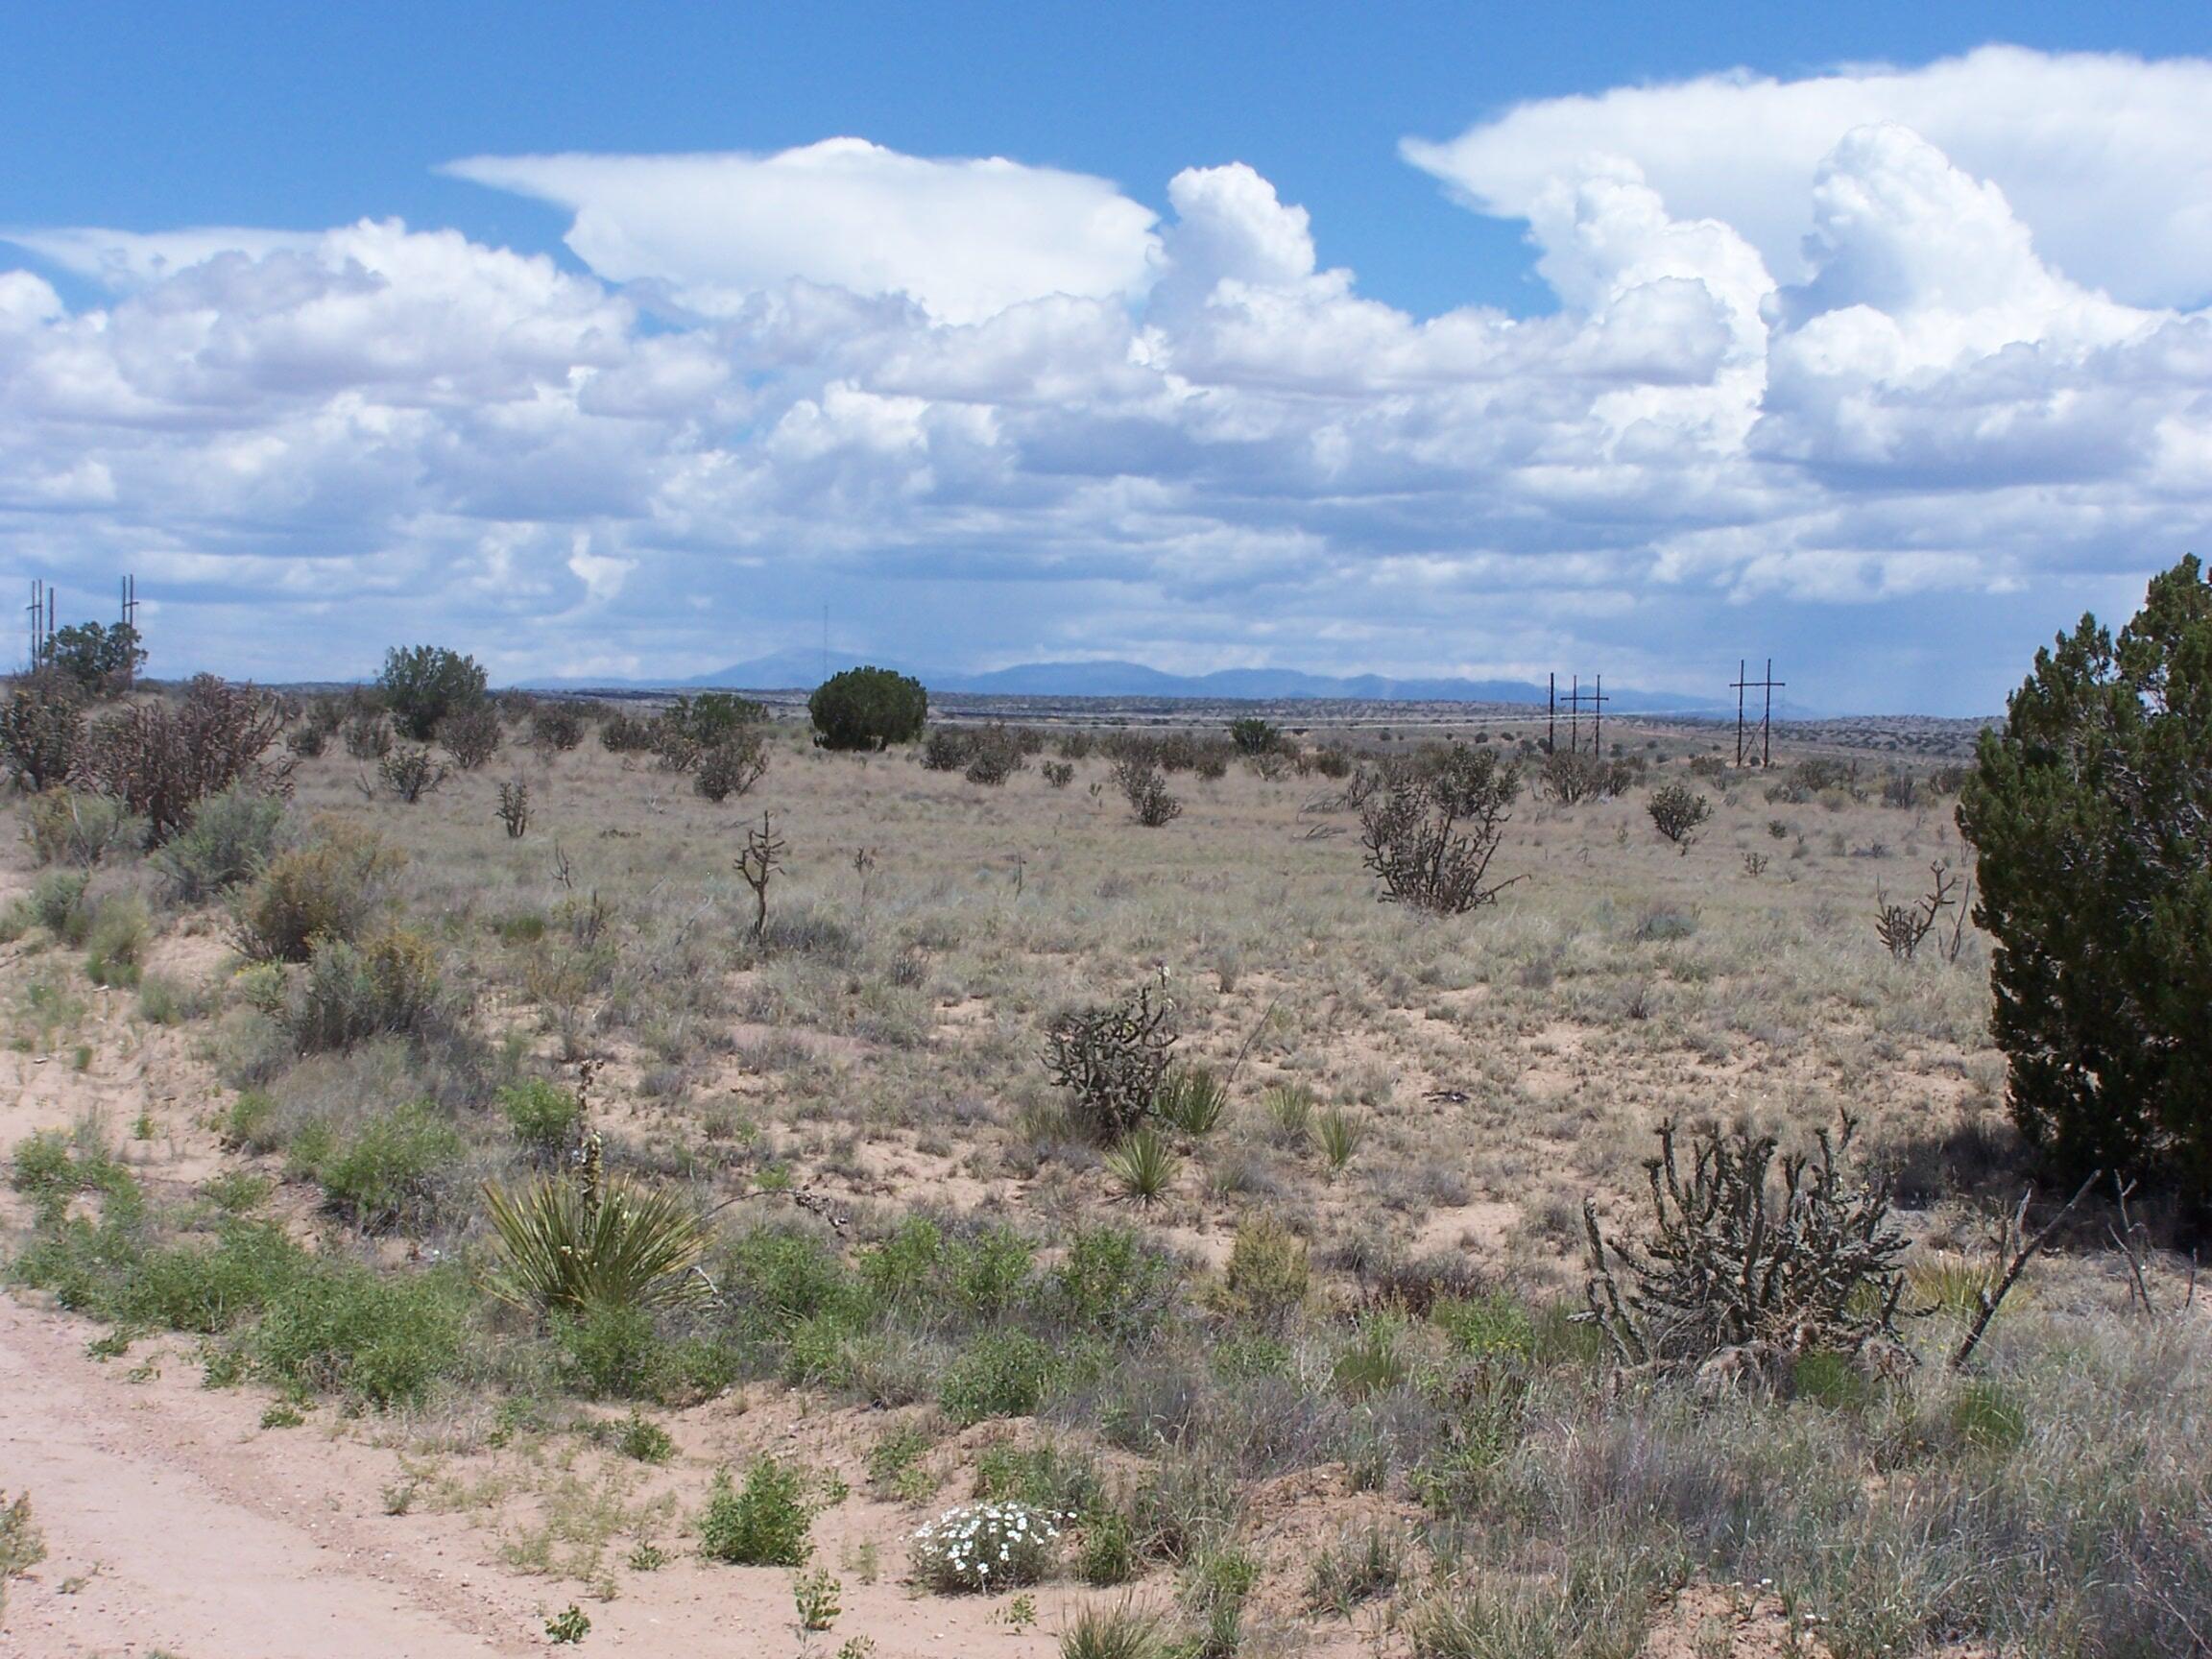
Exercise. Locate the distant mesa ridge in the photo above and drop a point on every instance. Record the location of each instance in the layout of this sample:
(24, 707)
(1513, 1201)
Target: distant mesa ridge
(801, 669)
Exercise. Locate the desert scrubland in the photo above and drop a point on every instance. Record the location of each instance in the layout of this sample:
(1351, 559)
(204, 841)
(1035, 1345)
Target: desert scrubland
(1288, 1362)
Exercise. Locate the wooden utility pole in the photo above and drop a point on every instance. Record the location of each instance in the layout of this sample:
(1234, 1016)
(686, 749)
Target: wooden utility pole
(1768, 684)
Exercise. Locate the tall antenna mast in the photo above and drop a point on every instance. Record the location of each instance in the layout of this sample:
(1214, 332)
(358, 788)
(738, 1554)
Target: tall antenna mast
(129, 610)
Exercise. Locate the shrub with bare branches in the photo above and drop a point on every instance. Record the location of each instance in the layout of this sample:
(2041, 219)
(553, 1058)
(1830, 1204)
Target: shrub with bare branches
(1432, 831)
(43, 729)
(1139, 780)
(731, 766)
(1678, 812)
(1746, 1263)
(472, 735)
(162, 758)
(1112, 1058)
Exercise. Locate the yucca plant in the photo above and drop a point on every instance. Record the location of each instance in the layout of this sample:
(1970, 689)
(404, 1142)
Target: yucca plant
(1291, 1106)
(1144, 1165)
(589, 1242)
(1339, 1134)
(1192, 1101)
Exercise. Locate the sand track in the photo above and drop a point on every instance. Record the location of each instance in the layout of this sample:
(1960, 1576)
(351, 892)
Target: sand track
(189, 1539)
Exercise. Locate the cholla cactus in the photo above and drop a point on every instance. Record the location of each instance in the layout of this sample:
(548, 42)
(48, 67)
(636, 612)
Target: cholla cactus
(984, 1546)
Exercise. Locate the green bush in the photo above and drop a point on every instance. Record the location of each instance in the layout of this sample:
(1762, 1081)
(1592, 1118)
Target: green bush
(74, 827)
(51, 1167)
(921, 1271)
(772, 1279)
(643, 1440)
(868, 709)
(421, 685)
(1112, 1283)
(765, 1524)
(389, 983)
(382, 1338)
(542, 1116)
(57, 903)
(1002, 1374)
(2088, 808)
(115, 943)
(1495, 1326)
(251, 1123)
(609, 1349)
(388, 1172)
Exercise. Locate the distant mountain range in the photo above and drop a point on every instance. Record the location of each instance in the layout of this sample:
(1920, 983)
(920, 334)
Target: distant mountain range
(802, 670)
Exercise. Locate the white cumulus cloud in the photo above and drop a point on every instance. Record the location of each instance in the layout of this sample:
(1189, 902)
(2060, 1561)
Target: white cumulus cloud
(2104, 156)
(963, 239)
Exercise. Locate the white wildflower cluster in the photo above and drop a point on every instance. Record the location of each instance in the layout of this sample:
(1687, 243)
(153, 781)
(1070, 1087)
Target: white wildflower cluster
(984, 1546)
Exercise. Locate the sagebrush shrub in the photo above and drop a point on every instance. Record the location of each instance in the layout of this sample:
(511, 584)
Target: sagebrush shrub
(1269, 1271)
(390, 982)
(73, 826)
(328, 888)
(230, 838)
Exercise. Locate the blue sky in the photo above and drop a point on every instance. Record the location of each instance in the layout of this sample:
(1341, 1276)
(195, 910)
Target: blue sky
(1416, 339)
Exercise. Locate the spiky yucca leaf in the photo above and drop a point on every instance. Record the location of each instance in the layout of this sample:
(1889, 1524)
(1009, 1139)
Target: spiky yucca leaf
(1144, 1165)
(1338, 1134)
(565, 1244)
(1192, 1101)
